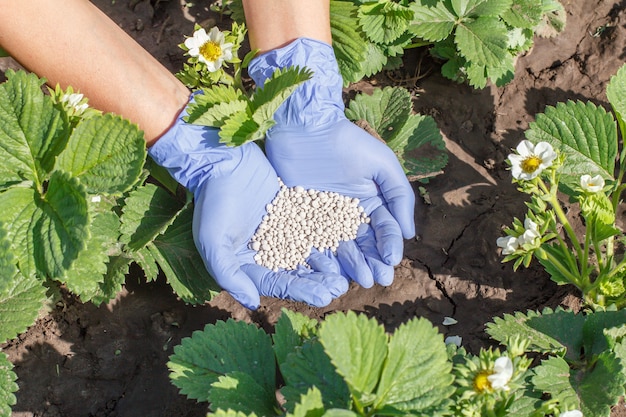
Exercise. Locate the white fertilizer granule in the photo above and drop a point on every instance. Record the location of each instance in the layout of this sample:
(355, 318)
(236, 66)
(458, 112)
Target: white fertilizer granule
(299, 220)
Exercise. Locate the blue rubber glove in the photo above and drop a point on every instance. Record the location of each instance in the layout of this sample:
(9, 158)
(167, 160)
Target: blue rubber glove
(315, 146)
(231, 187)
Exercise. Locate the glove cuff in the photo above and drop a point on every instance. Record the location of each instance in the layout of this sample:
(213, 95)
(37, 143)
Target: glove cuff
(318, 100)
(192, 153)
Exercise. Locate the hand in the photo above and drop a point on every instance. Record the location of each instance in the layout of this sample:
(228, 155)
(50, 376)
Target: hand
(342, 157)
(232, 186)
(315, 146)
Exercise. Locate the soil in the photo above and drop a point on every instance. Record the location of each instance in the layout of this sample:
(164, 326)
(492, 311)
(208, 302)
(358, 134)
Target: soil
(81, 360)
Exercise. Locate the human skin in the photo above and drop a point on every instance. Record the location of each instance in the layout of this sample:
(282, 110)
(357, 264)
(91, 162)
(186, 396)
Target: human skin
(290, 19)
(71, 42)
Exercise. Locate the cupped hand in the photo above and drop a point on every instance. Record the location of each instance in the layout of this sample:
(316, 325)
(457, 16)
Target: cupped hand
(231, 187)
(341, 157)
(314, 145)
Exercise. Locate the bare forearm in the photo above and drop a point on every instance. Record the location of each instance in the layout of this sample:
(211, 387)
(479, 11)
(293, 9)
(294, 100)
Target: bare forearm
(71, 42)
(274, 23)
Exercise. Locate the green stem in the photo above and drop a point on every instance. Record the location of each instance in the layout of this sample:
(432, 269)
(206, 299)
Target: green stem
(560, 214)
(563, 270)
(418, 44)
(567, 254)
(617, 267)
(598, 250)
(616, 195)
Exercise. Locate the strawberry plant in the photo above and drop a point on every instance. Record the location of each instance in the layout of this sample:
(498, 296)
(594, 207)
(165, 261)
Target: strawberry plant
(77, 210)
(583, 365)
(573, 148)
(244, 115)
(348, 365)
(478, 40)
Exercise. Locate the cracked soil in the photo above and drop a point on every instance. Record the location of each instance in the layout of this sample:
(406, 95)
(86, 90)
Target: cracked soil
(80, 360)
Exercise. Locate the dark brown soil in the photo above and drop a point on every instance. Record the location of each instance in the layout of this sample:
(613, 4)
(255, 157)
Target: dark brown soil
(80, 360)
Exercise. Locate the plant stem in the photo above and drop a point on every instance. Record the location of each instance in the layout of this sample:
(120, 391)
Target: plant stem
(616, 195)
(558, 210)
(563, 270)
(418, 44)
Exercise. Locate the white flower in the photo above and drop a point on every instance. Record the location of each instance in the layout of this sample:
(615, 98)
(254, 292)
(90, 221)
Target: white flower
(453, 340)
(509, 244)
(531, 159)
(573, 413)
(592, 184)
(449, 321)
(96, 199)
(210, 48)
(531, 234)
(73, 100)
(502, 373)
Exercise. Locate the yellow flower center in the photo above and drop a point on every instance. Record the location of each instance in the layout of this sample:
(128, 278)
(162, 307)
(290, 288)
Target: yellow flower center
(211, 51)
(531, 163)
(481, 382)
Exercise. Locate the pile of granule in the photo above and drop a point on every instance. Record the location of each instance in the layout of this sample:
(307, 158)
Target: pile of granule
(299, 220)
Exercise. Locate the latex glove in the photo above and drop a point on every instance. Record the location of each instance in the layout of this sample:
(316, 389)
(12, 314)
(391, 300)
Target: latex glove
(231, 187)
(315, 146)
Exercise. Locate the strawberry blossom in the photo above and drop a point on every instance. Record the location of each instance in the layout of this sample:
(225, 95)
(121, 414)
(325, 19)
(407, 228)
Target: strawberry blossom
(211, 48)
(531, 159)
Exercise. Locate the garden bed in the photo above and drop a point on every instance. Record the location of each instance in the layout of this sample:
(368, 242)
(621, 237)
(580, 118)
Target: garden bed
(80, 360)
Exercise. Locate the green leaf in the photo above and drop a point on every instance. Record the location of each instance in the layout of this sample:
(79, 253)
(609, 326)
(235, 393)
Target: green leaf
(21, 297)
(551, 268)
(585, 133)
(209, 97)
(240, 392)
(553, 376)
(616, 94)
(48, 231)
(240, 128)
(176, 254)
(290, 332)
(415, 139)
(384, 21)
(477, 8)
(553, 19)
(87, 273)
(377, 58)
(3, 53)
(310, 405)
(117, 269)
(275, 91)
(8, 386)
(32, 130)
(146, 261)
(417, 374)
(601, 386)
(309, 366)
(349, 44)
(419, 146)
(222, 348)
(148, 211)
(385, 110)
(218, 114)
(230, 413)
(597, 209)
(106, 152)
(554, 332)
(357, 346)
(482, 41)
(595, 340)
(432, 23)
(524, 14)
